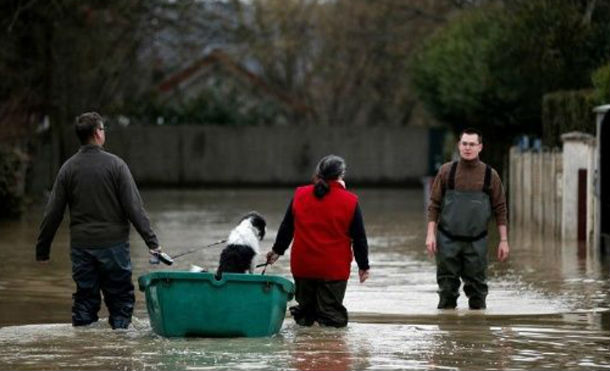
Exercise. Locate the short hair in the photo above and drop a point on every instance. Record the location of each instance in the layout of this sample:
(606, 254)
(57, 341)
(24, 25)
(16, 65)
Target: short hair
(471, 131)
(86, 124)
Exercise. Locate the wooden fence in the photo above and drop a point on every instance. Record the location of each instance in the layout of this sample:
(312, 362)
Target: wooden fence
(535, 190)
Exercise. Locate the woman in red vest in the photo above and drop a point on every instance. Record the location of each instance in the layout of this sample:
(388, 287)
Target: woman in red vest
(325, 221)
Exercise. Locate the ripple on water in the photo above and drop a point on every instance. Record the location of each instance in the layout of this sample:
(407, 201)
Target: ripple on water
(464, 342)
(395, 325)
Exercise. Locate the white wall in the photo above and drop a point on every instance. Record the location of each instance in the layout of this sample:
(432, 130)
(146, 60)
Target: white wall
(578, 153)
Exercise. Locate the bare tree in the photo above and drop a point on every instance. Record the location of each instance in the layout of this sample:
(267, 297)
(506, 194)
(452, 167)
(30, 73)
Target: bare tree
(345, 60)
(65, 56)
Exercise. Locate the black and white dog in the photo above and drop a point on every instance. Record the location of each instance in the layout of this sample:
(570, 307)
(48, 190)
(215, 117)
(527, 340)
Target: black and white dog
(242, 245)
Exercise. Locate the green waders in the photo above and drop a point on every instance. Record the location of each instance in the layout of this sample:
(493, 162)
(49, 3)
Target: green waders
(462, 244)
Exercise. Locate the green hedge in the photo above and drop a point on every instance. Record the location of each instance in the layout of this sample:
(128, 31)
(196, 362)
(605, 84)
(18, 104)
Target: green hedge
(601, 83)
(566, 111)
(12, 177)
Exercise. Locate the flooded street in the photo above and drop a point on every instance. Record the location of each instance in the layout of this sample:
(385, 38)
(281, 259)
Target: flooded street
(547, 307)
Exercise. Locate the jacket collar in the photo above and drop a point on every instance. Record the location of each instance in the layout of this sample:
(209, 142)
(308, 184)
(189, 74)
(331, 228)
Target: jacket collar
(90, 148)
(336, 184)
(470, 163)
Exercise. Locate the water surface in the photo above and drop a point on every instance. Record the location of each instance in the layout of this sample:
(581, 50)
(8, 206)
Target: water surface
(546, 308)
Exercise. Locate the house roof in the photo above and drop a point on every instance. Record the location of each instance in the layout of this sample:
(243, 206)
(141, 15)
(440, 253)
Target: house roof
(220, 58)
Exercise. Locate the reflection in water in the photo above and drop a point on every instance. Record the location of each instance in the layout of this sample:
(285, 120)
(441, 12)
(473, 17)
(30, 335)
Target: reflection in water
(326, 349)
(545, 305)
(329, 351)
(469, 353)
(562, 269)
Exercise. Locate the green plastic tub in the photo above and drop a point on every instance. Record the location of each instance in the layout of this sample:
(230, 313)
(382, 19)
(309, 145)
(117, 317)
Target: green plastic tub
(184, 303)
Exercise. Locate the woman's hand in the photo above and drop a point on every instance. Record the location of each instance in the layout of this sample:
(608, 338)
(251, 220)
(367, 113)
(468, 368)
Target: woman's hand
(364, 275)
(272, 257)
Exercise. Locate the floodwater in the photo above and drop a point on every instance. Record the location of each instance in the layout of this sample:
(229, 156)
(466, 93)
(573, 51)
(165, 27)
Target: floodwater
(547, 307)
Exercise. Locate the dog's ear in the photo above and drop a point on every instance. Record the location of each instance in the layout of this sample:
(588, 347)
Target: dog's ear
(262, 231)
(260, 224)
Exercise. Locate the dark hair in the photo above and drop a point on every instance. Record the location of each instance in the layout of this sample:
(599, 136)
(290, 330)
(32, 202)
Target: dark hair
(330, 167)
(86, 124)
(471, 131)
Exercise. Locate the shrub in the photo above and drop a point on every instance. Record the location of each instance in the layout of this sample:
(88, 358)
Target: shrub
(492, 66)
(566, 111)
(12, 182)
(601, 83)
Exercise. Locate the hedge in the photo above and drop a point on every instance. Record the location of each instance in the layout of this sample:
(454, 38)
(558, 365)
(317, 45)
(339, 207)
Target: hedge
(601, 83)
(566, 111)
(13, 166)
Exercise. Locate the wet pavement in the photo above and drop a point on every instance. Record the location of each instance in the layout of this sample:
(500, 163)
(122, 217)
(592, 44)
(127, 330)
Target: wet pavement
(546, 308)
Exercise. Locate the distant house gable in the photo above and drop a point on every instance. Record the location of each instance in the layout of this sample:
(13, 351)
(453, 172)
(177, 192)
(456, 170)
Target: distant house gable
(218, 69)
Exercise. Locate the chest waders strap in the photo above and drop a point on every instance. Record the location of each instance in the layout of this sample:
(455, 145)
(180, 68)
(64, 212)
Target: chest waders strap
(451, 182)
(486, 180)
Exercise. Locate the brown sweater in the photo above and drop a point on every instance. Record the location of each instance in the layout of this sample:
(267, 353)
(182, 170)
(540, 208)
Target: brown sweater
(469, 176)
(102, 197)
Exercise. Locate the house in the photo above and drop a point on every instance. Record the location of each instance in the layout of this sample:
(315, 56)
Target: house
(218, 79)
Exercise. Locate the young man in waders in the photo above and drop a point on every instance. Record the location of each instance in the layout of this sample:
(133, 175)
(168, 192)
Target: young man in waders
(103, 199)
(464, 195)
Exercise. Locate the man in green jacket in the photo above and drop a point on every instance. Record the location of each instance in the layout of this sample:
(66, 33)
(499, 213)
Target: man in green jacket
(464, 195)
(103, 199)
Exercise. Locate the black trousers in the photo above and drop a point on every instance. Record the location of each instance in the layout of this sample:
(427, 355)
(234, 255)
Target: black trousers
(107, 270)
(319, 301)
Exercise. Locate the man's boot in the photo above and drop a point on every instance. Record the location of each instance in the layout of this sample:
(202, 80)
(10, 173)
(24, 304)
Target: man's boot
(447, 302)
(477, 303)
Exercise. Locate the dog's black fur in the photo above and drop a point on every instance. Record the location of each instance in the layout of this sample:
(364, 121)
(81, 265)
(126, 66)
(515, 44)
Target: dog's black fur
(242, 245)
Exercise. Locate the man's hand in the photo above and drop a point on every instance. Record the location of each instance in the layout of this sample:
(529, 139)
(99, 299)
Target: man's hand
(431, 239)
(431, 244)
(157, 255)
(503, 250)
(363, 274)
(272, 257)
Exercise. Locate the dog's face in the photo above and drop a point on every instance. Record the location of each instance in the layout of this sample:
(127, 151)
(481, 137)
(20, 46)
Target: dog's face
(257, 222)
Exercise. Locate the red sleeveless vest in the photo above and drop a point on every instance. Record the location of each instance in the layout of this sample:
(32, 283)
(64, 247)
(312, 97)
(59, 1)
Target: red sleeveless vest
(322, 247)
